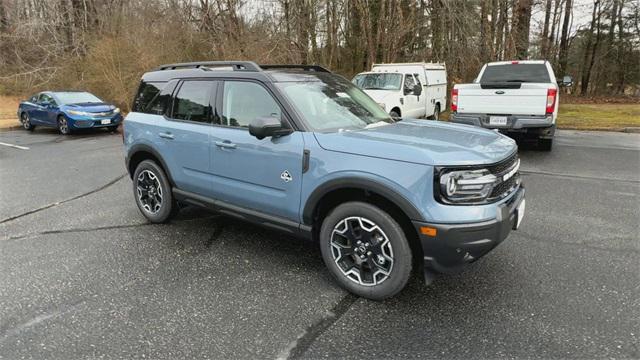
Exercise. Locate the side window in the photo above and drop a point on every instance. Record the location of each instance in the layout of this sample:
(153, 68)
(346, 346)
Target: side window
(417, 79)
(245, 101)
(46, 98)
(193, 102)
(409, 82)
(147, 92)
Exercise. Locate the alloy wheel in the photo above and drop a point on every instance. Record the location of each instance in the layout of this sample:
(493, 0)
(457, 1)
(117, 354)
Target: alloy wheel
(362, 251)
(63, 125)
(149, 191)
(25, 121)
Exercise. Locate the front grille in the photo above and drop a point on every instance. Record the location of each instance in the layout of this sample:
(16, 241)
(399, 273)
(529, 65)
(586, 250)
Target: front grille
(102, 114)
(504, 188)
(503, 165)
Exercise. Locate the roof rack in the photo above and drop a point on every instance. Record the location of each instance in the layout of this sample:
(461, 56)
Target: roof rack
(315, 68)
(239, 66)
(235, 65)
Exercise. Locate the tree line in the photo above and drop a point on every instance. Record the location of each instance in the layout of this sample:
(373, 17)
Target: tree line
(105, 45)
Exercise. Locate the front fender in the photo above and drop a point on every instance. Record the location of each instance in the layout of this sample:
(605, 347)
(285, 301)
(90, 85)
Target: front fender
(368, 182)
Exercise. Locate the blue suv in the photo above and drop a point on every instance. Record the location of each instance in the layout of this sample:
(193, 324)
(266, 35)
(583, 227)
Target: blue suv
(304, 151)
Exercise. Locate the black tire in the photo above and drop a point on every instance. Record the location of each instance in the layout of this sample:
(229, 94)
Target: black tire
(384, 236)
(436, 113)
(161, 189)
(63, 125)
(394, 114)
(545, 144)
(111, 129)
(26, 122)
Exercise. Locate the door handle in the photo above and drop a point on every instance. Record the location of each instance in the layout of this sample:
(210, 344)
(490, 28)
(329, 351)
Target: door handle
(225, 144)
(166, 135)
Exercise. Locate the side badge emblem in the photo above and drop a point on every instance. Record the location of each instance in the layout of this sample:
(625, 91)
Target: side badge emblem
(286, 176)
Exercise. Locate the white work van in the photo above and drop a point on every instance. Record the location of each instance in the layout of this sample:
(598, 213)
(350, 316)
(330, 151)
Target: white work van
(411, 90)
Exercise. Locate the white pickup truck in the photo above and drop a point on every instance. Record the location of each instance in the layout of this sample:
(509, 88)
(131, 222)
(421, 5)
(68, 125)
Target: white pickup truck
(513, 97)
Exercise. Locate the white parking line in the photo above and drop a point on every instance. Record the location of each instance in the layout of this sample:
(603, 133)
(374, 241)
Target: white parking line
(15, 146)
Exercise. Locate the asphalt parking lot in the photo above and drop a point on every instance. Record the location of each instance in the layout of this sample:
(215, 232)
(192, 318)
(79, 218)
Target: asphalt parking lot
(83, 275)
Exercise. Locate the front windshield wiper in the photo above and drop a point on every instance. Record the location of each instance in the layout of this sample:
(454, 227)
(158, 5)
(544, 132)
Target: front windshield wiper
(374, 88)
(516, 80)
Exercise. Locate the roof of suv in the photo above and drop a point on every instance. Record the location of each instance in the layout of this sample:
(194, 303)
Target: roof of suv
(236, 69)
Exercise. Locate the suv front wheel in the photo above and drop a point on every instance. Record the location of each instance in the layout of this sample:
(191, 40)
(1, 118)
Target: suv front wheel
(366, 250)
(152, 192)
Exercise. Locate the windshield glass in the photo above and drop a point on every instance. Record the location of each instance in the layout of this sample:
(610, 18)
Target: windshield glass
(378, 81)
(536, 73)
(334, 104)
(76, 98)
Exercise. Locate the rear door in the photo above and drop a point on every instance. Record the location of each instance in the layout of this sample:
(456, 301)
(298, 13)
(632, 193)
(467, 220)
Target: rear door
(185, 135)
(263, 175)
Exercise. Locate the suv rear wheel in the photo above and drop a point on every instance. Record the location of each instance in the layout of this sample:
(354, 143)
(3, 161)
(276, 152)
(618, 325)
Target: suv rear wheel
(366, 250)
(545, 144)
(152, 192)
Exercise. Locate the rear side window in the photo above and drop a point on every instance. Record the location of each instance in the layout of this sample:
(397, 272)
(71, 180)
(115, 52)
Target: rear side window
(536, 73)
(193, 102)
(147, 93)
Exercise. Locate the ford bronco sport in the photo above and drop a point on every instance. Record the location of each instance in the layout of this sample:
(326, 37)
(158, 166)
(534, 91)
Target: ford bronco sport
(301, 150)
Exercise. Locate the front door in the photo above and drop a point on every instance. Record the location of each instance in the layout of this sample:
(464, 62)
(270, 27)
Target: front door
(412, 106)
(263, 175)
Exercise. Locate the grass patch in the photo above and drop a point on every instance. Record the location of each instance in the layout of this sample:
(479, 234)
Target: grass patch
(598, 116)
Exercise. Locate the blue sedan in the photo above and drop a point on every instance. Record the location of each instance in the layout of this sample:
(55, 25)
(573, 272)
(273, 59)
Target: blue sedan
(68, 111)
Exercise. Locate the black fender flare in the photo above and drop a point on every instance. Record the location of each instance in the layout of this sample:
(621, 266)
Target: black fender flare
(358, 183)
(146, 148)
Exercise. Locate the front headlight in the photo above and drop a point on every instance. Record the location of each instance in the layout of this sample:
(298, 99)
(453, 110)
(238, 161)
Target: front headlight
(466, 186)
(116, 110)
(78, 113)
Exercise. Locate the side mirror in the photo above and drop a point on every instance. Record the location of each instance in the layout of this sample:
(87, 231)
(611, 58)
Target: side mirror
(417, 89)
(45, 104)
(263, 127)
(567, 81)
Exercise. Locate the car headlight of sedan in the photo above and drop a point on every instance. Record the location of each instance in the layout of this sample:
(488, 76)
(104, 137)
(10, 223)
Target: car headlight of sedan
(116, 111)
(466, 186)
(78, 113)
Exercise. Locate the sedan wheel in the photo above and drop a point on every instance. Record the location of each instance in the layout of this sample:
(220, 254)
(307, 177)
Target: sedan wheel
(26, 122)
(63, 126)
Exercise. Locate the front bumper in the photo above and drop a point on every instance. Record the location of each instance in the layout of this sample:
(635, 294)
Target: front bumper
(456, 245)
(85, 122)
(515, 123)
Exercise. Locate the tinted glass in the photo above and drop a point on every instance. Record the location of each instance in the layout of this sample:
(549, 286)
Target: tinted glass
(516, 73)
(146, 93)
(379, 81)
(334, 104)
(44, 98)
(409, 82)
(192, 103)
(244, 101)
(76, 97)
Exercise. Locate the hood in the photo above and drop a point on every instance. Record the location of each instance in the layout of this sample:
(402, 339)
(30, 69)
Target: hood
(380, 95)
(90, 107)
(423, 142)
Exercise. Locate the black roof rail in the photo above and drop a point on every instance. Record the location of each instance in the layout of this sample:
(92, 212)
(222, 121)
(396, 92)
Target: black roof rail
(235, 65)
(316, 68)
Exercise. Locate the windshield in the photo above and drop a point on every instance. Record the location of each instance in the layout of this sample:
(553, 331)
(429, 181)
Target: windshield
(536, 73)
(76, 98)
(334, 104)
(378, 81)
